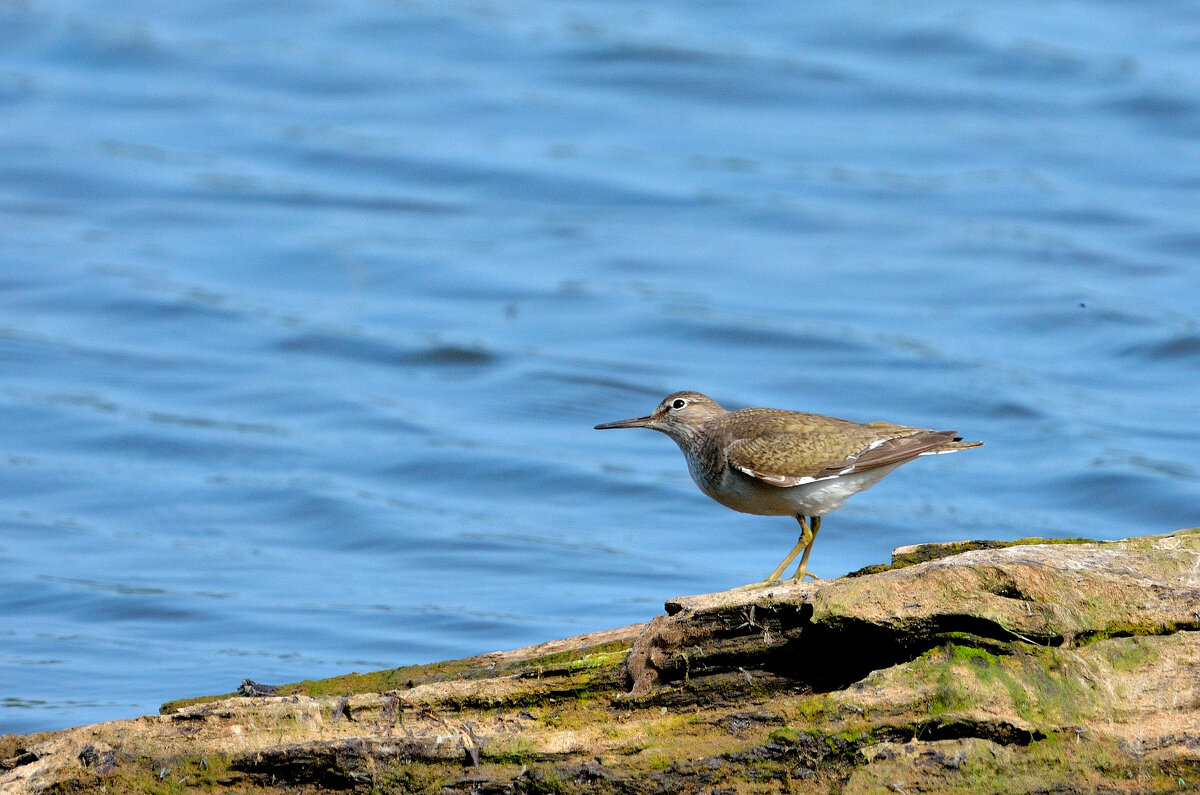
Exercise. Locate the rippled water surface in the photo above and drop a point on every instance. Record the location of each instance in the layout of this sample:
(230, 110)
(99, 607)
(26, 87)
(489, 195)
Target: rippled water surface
(307, 310)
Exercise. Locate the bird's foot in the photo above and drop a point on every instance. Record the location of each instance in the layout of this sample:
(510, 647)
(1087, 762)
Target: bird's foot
(775, 581)
(753, 585)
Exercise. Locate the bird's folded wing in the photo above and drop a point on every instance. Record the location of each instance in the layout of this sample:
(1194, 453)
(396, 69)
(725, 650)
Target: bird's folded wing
(792, 459)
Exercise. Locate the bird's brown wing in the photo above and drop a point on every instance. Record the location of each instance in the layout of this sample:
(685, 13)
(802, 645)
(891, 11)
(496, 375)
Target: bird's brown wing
(792, 458)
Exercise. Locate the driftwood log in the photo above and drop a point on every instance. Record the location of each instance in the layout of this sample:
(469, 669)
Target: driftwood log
(1028, 667)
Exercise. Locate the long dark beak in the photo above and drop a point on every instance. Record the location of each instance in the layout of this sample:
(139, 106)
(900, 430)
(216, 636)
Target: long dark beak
(635, 422)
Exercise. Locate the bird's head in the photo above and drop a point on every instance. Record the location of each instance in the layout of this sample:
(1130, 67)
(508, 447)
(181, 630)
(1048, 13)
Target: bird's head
(680, 415)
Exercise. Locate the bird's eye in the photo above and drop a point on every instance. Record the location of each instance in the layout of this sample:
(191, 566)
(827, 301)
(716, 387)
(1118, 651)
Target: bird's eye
(678, 403)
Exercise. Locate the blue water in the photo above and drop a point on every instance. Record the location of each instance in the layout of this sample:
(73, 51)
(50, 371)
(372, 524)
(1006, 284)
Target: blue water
(307, 310)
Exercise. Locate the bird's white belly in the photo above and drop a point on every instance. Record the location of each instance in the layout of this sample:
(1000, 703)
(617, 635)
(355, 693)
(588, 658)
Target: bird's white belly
(743, 493)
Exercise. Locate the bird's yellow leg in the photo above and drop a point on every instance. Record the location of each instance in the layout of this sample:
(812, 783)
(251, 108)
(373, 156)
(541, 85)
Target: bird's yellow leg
(802, 570)
(803, 545)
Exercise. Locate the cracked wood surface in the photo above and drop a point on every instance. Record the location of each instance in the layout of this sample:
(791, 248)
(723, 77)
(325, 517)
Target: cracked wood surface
(1071, 667)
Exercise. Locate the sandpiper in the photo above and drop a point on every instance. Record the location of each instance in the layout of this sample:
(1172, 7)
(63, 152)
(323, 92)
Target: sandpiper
(773, 462)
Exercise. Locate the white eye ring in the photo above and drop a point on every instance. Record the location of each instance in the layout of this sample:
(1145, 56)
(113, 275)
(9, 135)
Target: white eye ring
(678, 403)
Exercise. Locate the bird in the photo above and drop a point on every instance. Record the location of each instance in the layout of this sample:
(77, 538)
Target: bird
(774, 462)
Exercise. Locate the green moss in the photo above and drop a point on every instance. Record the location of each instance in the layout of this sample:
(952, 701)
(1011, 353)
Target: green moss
(991, 669)
(157, 777)
(541, 780)
(950, 693)
(874, 568)
(1125, 629)
(1046, 687)
(995, 696)
(1054, 764)
(601, 658)
(1130, 654)
(934, 551)
(816, 709)
(840, 747)
(520, 751)
(1041, 685)
(603, 655)
(785, 735)
(972, 654)
(417, 778)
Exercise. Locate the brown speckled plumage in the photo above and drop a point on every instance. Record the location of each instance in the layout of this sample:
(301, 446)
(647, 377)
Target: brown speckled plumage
(773, 462)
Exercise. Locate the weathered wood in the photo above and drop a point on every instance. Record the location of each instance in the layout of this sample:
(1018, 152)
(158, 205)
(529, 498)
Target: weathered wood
(1038, 667)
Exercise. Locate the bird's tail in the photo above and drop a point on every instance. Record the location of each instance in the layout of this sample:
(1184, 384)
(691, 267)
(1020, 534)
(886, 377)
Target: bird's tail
(957, 443)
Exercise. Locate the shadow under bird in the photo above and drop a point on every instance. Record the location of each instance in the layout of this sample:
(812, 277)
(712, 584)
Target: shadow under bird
(773, 462)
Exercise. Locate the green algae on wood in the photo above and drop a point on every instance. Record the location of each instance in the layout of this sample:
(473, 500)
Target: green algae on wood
(609, 655)
(1000, 669)
(920, 553)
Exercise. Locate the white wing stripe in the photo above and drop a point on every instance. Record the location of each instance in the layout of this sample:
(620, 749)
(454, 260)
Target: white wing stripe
(800, 481)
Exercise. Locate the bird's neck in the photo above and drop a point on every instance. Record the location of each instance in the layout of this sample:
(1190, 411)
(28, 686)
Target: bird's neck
(704, 462)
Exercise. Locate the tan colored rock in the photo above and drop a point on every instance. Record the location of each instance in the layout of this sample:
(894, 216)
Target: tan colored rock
(1069, 667)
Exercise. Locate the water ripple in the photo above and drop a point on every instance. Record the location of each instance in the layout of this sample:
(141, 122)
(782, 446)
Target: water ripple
(354, 347)
(315, 289)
